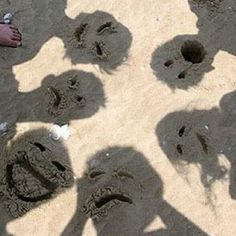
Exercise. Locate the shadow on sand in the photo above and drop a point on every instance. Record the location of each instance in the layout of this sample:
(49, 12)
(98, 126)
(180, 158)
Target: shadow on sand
(182, 61)
(34, 169)
(200, 137)
(123, 194)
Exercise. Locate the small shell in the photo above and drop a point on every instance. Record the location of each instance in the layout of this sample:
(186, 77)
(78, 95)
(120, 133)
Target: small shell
(8, 16)
(7, 22)
(57, 132)
(3, 128)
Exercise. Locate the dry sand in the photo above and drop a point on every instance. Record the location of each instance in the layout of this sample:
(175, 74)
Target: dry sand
(147, 88)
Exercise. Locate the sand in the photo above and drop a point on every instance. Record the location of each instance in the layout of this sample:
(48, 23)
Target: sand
(148, 91)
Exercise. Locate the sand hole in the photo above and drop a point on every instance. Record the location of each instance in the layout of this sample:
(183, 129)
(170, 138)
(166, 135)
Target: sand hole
(80, 100)
(106, 27)
(181, 131)
(95, 174)
(203, 142)
(182, 75)
(40, 146)
(193, 51)
(168, 63)
(73, 83)
(179, 149)
(59, 166)
(98, 49)
(55, 95)
(80, 33)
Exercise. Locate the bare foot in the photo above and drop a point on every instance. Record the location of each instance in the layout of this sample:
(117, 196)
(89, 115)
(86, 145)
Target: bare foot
(9, 36)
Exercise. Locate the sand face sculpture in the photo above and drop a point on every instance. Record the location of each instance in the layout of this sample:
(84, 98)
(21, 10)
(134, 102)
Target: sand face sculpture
(112, 187)
(182, 61)
(192, 138)
(34, 170)
(71, 95)
(97, 38)
(122, 194)
(199, 137)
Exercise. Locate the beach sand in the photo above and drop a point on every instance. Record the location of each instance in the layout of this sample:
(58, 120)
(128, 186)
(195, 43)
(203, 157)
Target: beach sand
(147, 89)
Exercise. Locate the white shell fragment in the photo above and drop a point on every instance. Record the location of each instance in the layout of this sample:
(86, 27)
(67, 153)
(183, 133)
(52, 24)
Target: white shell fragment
(58, 132)
(3, 128)
(7, 18)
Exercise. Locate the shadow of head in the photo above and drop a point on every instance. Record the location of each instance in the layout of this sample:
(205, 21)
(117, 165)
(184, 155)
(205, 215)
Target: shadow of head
(204, 9)
(216, 22)
(71, 95)
(34, 170)
(181, 62)
(193, 137)
(228, 108)
(123, 194)
(118, 186)
(228, 103)
(97, 38)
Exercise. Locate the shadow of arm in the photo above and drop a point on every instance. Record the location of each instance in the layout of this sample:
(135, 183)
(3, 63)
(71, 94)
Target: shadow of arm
(176, 224)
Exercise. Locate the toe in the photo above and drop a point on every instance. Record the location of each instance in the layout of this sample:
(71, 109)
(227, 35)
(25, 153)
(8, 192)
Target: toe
(13, 27)
(14, 43)
(16, 37)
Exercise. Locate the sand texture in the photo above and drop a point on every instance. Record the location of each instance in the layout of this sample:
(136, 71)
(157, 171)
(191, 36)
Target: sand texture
(148, 90)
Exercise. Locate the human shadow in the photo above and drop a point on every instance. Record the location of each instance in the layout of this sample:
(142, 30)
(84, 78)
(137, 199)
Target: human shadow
(34, 169)
(60, 99)
(70, 96)
(83, 37)
(201, 137)
(122, 194)
(182, 61)
(96, 38)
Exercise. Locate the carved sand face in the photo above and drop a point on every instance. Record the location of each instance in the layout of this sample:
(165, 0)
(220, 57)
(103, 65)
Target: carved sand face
(98, 38)
(71, 95)
(36, 170)
(111, 187)
(181, 62)
(193, 138)
(115, 181)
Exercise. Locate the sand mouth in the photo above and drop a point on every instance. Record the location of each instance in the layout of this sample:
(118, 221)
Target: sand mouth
(108, 198)
(100, 202)
(33, 174)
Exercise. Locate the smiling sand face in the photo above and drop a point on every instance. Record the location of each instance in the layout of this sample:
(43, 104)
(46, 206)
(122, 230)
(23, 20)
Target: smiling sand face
(35, 170)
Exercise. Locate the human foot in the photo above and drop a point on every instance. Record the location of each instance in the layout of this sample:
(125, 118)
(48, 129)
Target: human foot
(9, 36)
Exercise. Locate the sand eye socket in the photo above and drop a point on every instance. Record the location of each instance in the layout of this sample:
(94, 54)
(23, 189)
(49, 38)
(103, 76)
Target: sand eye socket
(73, 83)
(95, 174)
(168, 63)
(193, 51)
(39, 146)
(59, 166)
(124, 174)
